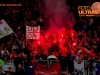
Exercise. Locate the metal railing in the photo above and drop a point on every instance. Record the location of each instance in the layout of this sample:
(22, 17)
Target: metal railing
(88, 71)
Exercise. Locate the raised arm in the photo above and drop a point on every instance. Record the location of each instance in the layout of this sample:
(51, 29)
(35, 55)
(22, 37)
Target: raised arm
(29, 42)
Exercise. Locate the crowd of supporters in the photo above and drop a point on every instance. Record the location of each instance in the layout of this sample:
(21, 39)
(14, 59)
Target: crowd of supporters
(87, 35)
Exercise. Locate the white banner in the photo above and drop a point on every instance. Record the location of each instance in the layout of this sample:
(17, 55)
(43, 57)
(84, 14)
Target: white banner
(7, 65)
(4, 29)
(32, 32)
(79, 68)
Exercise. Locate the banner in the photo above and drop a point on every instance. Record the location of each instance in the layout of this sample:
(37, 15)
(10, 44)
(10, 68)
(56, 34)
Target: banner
(8, 65)
(4, 29)
(79, 68)
(32, 32)
(96, 68)
(42, 69)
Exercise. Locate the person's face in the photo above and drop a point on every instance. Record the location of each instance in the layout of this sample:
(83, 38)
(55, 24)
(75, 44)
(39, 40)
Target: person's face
(5, 54)
(98, 39)
(5, 48)
(10, 69)
(14, 43)
(13, 51)
(7, 74)
(89, 31)
(25, 56)
(94, 32)
(19, 66)
(84, 26)
(18, 27)
(19, 33)
(94, 42)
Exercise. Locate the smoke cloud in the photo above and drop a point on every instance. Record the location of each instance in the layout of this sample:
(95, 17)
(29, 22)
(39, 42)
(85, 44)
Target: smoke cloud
(58, 14)
(59, 20)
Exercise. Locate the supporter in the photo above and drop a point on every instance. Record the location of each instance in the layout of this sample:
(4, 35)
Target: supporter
(20, 70)
(26, 60)
(5, 50)
(30, 69)
(1, 72)
(33, 60)
(5, 56)
(10, 72)
(55, 53)
(13, 55)
(21, 55)
(28, 14)
(15, 46)
(18, 60)
(39, 56)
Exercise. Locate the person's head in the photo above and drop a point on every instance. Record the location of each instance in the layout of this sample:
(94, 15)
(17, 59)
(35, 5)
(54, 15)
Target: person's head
(5, 54)
(14, 43)
(84, 26)
(94, 42)
(0, 69)
(27, 9)
(19, 66)
(95, 32)
(89, 31)
(98, 39)
(25, 56)
(13, 51)
(5, 48)
(18, 27)
(19, 55)
(7, 73)
(98, 27)
(22, 52)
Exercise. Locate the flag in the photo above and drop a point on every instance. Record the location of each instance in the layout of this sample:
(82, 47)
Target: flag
(1, 62)
(42, 69)
(32, 32)
(96, 68)
(4, 29)
(79, 68)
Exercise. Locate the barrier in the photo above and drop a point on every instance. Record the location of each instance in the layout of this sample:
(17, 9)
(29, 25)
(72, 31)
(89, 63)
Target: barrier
(64, 70)
(48, 62)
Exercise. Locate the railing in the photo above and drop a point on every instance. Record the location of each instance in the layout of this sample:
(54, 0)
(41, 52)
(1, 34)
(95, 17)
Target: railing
(64, 69)
(88, 71)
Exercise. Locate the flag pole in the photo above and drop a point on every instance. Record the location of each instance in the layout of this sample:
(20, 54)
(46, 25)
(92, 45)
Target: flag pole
(7, 26)
(18, 41)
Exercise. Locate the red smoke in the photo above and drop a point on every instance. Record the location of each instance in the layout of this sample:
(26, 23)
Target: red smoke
(59, 20)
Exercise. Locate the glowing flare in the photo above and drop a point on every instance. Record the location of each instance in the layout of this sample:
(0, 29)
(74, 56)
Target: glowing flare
(72, 34)
(74, 44)
(54, 41)
(60, 39)
(38, 42)
(62, 35)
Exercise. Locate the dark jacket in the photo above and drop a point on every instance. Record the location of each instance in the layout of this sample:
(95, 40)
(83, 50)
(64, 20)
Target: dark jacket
(29, 70)
(17, 61)
(2, 74)
(20, 72)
